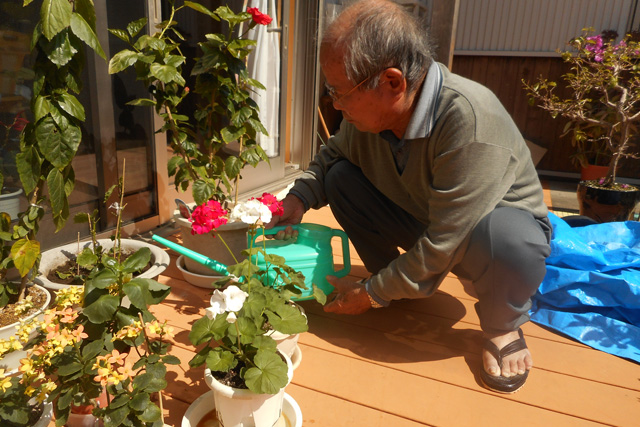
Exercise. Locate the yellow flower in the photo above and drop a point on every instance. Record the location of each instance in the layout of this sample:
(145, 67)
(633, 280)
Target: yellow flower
(5, 383)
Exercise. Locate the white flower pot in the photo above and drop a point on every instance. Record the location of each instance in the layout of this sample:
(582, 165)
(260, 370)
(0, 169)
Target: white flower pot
(234, 235)
(287, 344)
(201, 409)
(200, 280)
(10, 201)
(244, 408)
(53, 258)
(11, 362)
(45, 418)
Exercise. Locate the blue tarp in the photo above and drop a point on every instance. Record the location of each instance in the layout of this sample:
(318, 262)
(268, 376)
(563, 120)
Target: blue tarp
(591, 291)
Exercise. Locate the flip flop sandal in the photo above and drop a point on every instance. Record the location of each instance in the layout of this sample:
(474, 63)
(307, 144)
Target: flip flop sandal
(499, 383)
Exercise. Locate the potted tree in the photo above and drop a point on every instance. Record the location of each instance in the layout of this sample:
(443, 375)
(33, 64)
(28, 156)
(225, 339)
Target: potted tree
(603, 108)
(225, 113)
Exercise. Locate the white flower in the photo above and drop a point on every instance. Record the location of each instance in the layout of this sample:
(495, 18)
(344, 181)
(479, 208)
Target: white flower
(230, 300)
(234, 298)
(231, 318)
(251, 211)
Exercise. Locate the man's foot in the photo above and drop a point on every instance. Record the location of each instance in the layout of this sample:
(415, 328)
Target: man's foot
(506, 362)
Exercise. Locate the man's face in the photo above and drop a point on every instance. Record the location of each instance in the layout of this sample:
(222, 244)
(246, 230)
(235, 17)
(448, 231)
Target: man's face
(362, 107)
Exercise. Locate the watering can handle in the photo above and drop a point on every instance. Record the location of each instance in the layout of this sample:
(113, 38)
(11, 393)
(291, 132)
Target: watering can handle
(345, 253)
(270, 231)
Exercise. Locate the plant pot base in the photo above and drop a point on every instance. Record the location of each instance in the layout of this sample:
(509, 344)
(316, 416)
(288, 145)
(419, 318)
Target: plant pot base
(606, 205)
(203, 407)
(199, 280)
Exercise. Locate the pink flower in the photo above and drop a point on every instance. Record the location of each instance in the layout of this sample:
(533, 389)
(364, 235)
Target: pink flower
(272, 203)
(259, 17)
(207, 217)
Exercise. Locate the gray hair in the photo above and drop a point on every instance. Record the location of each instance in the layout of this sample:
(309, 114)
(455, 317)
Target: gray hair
(375, 35)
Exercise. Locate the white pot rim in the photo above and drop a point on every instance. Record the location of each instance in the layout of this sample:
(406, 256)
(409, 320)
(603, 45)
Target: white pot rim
(53, 257)
(13, 191)
(46, 304)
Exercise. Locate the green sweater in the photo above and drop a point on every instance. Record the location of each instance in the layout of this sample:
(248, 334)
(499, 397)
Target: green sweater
(464, 157)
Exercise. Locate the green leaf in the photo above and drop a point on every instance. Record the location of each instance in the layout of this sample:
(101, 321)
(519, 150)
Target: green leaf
(205, 329)
(151, 413)
(288, 320)
(57, 195)
(29, 163)
(59, 147)
(319, 295)
(87, 258)
(149, 383)
(121, 34)
(41, 108)
(103, 309)
(69, 368)
(60, 50)
(114, 417)
(145, 102)
(119, 401)
(202, 190)
(103, 279)
(140, 402)
(87, 11)
(232, 133)
(137, 261)
(55, 16)
(122, 60)
(84, 32)
(134, 27)
(200, 8)
(137, 291)
(25, 253)
(72, 106)
(220, 360)
(166, 74)
(171, 360)
(92, 349)
(269, 375)
(232, 166)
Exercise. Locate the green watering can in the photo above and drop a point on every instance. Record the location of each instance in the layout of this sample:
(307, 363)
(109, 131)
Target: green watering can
(310, 254)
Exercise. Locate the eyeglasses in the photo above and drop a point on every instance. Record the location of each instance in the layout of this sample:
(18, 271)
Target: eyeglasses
(335, 98)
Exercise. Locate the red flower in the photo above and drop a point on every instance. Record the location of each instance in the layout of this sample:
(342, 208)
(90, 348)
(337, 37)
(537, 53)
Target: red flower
(270, 201)
(207, 217)
(259, 17)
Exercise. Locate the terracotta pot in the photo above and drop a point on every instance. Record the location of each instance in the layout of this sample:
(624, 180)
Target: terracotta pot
(593, 172)
(53, 258)
(244, 408)
(605, 205)
(11, 362)
(234, 235)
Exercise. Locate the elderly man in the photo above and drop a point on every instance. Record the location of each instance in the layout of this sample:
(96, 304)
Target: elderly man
(430, 162)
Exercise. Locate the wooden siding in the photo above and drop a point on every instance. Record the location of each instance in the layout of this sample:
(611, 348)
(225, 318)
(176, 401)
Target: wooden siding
(503, 75)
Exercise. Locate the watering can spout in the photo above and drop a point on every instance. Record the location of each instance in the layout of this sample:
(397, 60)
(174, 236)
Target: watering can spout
(204, 260)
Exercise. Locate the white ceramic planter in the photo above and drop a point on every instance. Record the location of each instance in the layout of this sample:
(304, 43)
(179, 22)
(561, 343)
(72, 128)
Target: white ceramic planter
(10, 201)
(201, 407)
(287, 344)
(234, 235)
(200, 280)
(11, 362)
(244, 408)
(55, 257)
(45, 418)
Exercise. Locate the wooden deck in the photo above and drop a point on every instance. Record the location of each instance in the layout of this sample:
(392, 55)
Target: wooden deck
(416, 363)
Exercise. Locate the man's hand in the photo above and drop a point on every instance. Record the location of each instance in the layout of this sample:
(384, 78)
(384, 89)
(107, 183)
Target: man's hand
(348, 297)
(293, 212)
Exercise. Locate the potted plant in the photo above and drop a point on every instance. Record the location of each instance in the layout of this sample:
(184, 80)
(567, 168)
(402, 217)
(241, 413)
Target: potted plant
(244, 362)
(224, 114)
(71, 264)
(47, 143)
(603, 108)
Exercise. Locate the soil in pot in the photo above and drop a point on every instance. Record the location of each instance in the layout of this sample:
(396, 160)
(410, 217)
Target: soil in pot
(8, 313)
(69, 273)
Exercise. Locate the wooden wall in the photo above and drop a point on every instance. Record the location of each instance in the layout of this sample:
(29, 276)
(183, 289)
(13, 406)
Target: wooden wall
(503, 75)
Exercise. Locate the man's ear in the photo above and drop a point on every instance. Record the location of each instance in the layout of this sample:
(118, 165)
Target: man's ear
(395, 78)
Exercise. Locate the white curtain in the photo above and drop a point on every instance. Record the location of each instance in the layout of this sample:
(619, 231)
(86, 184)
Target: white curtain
(264, 65)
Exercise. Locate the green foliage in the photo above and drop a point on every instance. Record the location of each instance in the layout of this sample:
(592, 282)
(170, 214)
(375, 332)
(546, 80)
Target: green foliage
(603, 101)
(225, 112)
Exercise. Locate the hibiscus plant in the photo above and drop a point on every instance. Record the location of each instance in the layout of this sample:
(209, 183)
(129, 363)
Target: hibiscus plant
(225, 112)
(603, 101)
(249, 304)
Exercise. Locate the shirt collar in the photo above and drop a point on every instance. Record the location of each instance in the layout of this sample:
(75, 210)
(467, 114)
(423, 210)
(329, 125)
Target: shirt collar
(424, 115)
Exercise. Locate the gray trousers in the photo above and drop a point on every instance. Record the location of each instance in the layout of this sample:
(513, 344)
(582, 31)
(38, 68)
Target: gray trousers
(505, 259)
